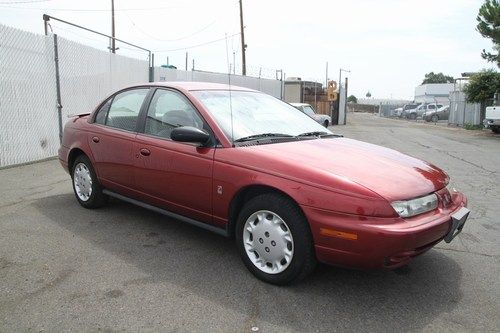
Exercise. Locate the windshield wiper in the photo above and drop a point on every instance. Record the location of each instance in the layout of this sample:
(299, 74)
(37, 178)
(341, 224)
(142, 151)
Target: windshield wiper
(317, 133)
(262, 135)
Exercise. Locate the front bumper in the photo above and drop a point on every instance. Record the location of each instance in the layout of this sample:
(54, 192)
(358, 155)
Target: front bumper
(374, 242)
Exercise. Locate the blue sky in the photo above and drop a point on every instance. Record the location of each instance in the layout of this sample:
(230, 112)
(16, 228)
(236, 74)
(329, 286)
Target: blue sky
(387, 44)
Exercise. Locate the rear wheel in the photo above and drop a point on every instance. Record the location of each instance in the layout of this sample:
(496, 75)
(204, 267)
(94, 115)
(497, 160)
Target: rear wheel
(326, 123)
(88, 190)
(274, 239)
(434, 118)
(412, 116)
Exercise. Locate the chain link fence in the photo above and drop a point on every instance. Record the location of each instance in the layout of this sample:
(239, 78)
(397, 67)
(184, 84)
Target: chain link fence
(28, 113)
(462, 112)
(268, 86)
(28, 96)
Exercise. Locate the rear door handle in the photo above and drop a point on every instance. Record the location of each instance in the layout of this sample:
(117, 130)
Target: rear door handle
(95, 139)
(145, 152)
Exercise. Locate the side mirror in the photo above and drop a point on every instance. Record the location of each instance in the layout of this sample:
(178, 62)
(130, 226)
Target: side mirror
(189, 134)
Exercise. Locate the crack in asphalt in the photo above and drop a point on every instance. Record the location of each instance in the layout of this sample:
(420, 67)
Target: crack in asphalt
(469, 252)
(456, 157)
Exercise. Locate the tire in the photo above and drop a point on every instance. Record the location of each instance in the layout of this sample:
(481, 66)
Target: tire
(274, 224)
(412, 116)
(434, 118)
(496, 129)
(86, 186)
(326, 123)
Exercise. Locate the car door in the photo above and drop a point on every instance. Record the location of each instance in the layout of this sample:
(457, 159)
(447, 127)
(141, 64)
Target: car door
(174, 175)
(111, 142)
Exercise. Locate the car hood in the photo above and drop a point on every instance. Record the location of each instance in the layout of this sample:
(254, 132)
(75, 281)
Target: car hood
(387, 172)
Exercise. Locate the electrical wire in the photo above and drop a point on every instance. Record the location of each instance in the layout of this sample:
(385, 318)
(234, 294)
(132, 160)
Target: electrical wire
(197, 45)
(21, 1)
(168, 40)
(82, 10)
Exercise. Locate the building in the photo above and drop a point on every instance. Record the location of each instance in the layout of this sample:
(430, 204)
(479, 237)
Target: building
(434, 93)
(296, 89)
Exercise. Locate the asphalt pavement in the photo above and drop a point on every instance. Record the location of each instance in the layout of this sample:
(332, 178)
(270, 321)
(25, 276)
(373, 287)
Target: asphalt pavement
(123, 268)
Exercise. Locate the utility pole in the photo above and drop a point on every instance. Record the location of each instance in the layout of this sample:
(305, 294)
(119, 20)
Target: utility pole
(113, 49)
(243, 45)
(326, 78)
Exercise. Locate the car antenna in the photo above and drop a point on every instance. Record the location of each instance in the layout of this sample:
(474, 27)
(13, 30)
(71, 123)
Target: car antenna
(230, 97)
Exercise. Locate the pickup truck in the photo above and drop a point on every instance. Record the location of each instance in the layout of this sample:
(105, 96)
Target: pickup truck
(492, 119)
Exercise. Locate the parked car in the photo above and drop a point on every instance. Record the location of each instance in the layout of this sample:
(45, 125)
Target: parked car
(246, 165)
(322, 119)
(421, 109)
(397, 112)
(492, 119)
(442, 113)
(406, 108)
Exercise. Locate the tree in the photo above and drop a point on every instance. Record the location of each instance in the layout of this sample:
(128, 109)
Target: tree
(368, 94)
(352, 99)
(482, 87)
(489, 27)
(437, 78)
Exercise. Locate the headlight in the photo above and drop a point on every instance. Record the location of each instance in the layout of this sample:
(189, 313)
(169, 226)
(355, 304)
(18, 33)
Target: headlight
(415, 206)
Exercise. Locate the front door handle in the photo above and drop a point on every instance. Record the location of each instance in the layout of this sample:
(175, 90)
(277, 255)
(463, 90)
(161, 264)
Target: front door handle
(95, 139)
(145, 152)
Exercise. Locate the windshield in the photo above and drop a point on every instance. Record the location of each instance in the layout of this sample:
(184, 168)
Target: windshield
(255, 113)
(309, 110)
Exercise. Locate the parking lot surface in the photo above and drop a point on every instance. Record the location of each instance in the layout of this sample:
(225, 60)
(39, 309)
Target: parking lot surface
(123, 268)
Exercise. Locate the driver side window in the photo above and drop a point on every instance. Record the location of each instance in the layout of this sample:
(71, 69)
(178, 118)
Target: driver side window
(168, 110)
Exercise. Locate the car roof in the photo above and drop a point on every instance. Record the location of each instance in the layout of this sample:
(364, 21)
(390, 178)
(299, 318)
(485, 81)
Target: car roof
(300, 104)
(193, 85)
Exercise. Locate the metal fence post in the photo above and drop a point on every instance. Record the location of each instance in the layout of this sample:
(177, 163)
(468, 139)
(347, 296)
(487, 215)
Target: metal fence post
(58, 88)
(151, 67)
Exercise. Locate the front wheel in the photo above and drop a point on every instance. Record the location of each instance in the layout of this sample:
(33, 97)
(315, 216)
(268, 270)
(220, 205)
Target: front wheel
(434, 119)
(274, 239)
(413, 116)
(88, 190)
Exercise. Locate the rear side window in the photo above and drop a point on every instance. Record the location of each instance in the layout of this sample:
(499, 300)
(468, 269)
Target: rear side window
(124, 109)
(100, 118)
(168, 110)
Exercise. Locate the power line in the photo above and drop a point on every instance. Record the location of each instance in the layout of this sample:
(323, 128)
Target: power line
(168, 40)
(82, 10)
(21, 1)
(198, 45)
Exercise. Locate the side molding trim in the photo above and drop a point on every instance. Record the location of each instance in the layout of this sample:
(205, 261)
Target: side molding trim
(219, 231)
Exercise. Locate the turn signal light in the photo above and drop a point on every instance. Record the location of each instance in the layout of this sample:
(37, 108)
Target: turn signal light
(338, 234)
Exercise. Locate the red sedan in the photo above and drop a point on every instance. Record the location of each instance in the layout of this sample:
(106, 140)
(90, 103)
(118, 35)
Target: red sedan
(246, 165)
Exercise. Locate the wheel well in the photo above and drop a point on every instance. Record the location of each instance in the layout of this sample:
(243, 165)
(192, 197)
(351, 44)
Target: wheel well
(73, 154)
(244, 195)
